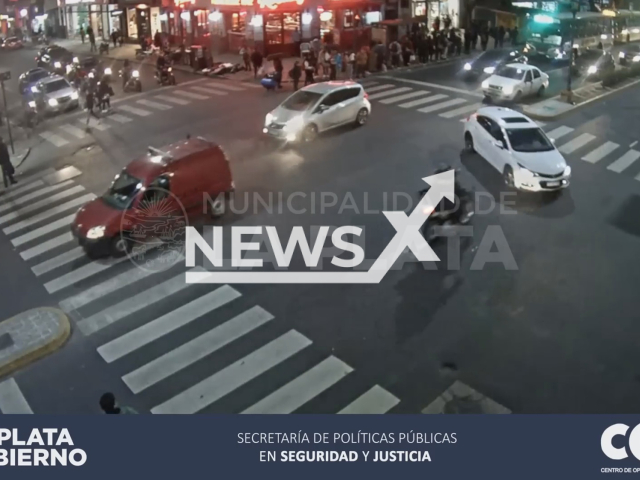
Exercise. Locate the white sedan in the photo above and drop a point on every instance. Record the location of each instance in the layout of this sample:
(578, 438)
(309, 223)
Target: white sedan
(518, 148)
(515, 81)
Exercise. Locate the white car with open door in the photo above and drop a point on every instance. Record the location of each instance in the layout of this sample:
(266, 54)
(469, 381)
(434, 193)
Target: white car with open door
(515, 81)
(518, 148)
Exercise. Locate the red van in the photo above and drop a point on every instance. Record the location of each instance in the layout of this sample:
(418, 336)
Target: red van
(153, 194)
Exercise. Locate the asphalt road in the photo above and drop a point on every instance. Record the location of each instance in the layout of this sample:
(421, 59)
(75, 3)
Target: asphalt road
(555, 335)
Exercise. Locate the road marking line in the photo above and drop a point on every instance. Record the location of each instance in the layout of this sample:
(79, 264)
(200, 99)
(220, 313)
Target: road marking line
(624, 161)
(156, 105)
(56, 140)
(134, 304)
(194, 96)
(42, 203)
(27, 237)
(61, 175)
(388, 93)
(223, 86)
(149, 332)
(302, 389)
(461, 111)
(119, 118)
(434, 85)
(94, 123)
(406, 96)
(19, 191)
(633, 144)
(379, 87)
(46, 246)
(34, 195)
(375, 401)
(177, 101)
(600, 152)
(56, 262)
(559, 132)
(71, 130)
(422, 101)
(368, 83)
(11, 399)
(235, 375)
(209, 90)
(195, 350)
(578, 142)
(136, 111)
(443, 105)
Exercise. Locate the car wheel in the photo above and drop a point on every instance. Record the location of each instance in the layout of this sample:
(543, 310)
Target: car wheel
(362, 117)
(120, 245)
(508, 177)
(310, 133)
(541, 91)
(468, 143)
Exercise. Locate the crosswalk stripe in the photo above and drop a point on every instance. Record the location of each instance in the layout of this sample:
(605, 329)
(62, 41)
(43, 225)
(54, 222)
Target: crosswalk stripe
(87, 271)
(56, 262)
(235, 375)
(119, 118)
(197, 349)
(173, 320)
(377, 88)
(421, 101)
(76, 202)
(209, 90)
(136, 111)
(368, 83)
(406, 96)
(95, 124)
(67, 173)
(302, 389)
(461, 111)
(177, 101)
(561, 131)
(443, 105)
(42, 203)
(156, 105)
(624, 161)
(194, 96)
(27, 198)
(223, 86)
(46, 246)
(11, 399)
(72, 130)
(105, 288)
(375, 401)
(27, 183)
(51, 227)
(578, 142)
(57, 140)
(600, 152)
(134, 304)
(20, 191)
(388, 93)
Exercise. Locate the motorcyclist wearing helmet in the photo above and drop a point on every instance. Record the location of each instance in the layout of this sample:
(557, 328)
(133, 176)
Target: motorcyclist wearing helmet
(451, 210)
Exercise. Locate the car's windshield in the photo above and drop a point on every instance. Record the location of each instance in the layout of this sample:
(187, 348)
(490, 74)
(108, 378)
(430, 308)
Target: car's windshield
(511, 72)
(301, 100)
(38, 75)
(529, 140)
(122, 191)
(56, 85)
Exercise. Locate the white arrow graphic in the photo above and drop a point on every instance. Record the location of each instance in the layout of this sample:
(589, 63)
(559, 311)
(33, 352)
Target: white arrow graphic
(407, 235)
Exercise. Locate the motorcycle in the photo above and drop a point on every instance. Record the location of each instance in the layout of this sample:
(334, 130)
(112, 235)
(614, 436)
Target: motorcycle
(132, 83)
(32, 115)
(165, 76)
(104, 48)
(440, 221)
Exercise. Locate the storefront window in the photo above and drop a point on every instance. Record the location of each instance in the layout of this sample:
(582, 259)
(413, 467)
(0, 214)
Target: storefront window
(273, 29)
(131, 19)
(419, 9)
(201, 23)
(327, 23)
(348, 17)
(291, 24)
(238, 22)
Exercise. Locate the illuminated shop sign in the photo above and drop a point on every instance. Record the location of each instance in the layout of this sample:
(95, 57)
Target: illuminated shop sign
(233, 3)
(272, 4)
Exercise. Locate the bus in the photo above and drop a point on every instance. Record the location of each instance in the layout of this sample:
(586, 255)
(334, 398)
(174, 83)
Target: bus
(549, 35)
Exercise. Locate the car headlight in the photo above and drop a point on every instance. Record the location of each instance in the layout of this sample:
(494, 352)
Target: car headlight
(467, 66)
(567, 171)
(485, 84)
(592, 69)
(621, 55)
(295, 124)
(508, 90)
(169, 69)
(636, 58)
(489, 70)
(32, 104)
(34, 89)
(135, 74)
(107, 71)
(525, 171)
(57, 65)
(74, 95)
(75, 60)
(53, 102)
(96, 232)
(268, 120)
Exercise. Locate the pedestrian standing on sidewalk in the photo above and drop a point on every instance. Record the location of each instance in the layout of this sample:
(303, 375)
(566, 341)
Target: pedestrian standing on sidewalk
(351, 63)
(7, 166)
(279, 68)
(308, 70)
(246, 58)
(109, 406)
(256, 60)
(295, 73)
(333, 68)
(339, 63)
(92, 39)
(114, 38)
(82, 33)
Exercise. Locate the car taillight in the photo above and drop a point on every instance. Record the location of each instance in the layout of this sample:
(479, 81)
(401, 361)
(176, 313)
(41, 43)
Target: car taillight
(475, 115)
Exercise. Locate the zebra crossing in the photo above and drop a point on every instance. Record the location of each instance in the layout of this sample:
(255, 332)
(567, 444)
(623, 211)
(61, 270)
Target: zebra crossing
(127, 110)
(178, 347)
(12, 400)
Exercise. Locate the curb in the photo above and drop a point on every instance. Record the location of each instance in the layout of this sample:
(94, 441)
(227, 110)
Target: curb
(535, 116)
(24, 359)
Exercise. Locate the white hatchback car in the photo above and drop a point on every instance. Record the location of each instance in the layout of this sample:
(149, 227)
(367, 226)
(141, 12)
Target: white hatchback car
(317, 108)
(518, 148)
(515, 81)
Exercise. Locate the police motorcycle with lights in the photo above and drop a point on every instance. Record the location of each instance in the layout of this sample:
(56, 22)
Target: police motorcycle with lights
(130, 78)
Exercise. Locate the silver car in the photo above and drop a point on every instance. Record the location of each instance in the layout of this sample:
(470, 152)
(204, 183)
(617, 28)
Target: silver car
(56, 94)
(317, 108)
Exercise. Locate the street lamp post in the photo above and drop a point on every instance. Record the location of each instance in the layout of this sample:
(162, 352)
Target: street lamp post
(574, 11)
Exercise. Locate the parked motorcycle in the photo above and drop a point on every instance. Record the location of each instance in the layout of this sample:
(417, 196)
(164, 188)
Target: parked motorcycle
(165, 76)
(131, 83)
